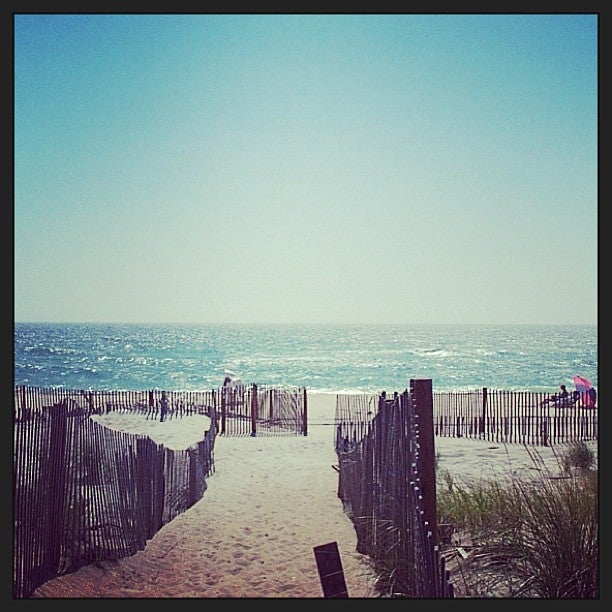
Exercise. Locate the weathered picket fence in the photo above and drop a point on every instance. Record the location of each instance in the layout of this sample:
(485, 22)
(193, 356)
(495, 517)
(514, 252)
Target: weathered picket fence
(262, 410)
(385, 449)
(522, 417)
(256, 410)
(86, 493)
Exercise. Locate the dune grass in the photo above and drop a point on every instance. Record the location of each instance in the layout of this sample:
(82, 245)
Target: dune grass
(536, 538)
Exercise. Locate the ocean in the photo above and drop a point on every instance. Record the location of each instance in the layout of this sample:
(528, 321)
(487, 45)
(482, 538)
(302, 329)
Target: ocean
(321, 358)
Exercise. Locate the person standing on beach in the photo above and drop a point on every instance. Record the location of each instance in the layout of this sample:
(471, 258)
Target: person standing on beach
(164, 406)
(227, 391)
(591, 398)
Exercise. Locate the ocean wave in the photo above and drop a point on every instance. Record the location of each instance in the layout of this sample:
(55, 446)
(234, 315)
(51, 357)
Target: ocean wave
(327, 359)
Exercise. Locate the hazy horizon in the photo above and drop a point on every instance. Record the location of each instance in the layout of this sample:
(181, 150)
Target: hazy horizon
(302, 323)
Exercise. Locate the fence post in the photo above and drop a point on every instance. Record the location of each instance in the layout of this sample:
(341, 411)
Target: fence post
(305, 415)
(193, 466)
(142, 485)
(484, 410)
(423, 407)
(56, 478)
(544, 431)
(24, 407)
(223, 408)
(254, 410)
(214, 409)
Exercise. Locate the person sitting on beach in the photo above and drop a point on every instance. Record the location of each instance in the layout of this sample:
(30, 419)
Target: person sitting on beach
(561, 398)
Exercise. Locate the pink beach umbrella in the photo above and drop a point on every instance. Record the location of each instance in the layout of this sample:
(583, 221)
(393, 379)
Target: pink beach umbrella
(583, 385)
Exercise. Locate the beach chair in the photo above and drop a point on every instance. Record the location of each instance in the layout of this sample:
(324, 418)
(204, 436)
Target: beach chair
(568, 402)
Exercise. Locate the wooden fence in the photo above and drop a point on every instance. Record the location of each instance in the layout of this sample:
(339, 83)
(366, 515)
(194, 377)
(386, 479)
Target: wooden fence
(521, 417)
(256, 410)
(263, 410)
(85, 493)
(30, 402)
(385, 449)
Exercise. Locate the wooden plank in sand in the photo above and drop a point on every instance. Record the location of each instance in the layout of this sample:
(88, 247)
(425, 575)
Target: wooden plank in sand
(330, 570)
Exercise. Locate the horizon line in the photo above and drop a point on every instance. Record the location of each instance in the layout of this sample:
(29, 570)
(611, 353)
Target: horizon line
(289, 323)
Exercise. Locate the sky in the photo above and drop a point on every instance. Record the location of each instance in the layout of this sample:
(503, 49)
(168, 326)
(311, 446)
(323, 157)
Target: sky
(209, 168)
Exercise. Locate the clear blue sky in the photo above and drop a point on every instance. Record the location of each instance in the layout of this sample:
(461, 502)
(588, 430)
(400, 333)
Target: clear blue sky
(306, 168)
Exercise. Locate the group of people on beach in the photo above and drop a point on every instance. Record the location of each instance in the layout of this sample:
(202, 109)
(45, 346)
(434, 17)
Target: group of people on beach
(563, 399)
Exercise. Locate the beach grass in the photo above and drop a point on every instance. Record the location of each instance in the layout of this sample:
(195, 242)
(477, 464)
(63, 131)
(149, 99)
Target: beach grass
(526, 538)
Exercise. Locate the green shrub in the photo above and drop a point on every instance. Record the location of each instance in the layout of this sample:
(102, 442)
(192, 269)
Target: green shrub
(578, 455)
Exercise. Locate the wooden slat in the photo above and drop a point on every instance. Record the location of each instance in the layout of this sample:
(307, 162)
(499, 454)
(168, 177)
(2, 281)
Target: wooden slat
(331, 573)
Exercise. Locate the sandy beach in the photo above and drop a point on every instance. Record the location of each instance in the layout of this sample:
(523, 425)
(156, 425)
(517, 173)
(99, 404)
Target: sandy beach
(269, 502)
